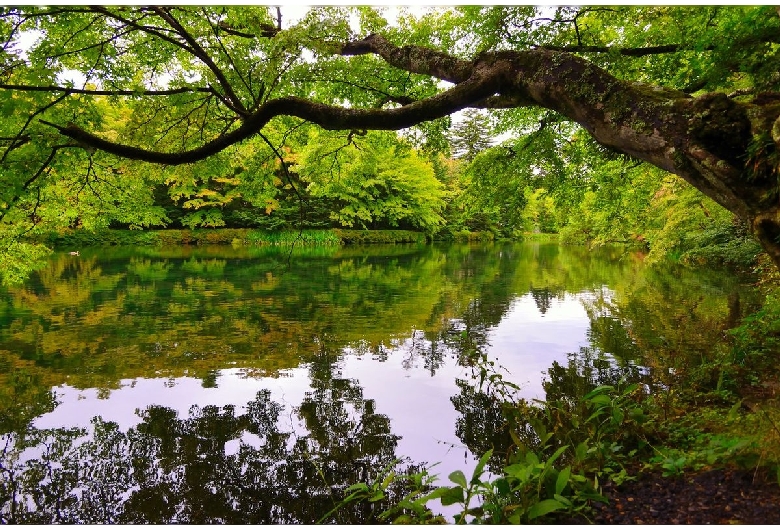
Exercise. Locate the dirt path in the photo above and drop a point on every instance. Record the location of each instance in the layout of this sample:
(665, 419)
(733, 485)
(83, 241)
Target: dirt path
(722, 496)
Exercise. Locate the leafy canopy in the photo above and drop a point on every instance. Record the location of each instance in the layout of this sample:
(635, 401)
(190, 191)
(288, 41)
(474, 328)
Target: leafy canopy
(105, 106)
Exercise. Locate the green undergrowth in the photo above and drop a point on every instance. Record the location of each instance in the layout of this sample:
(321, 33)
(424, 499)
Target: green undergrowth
(77, 239)
(362, 237)
(465, 236)
(563, 452)
(540, 237)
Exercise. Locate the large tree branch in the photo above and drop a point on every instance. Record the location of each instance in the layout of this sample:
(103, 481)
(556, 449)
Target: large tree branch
(694, 138)
(413, 59)
(705, 140)
(327, 116)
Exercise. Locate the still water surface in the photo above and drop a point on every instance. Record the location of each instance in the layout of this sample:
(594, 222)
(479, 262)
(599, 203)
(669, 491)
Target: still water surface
(213, 384)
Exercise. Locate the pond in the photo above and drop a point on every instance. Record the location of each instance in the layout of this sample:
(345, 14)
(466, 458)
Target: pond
(249, 385)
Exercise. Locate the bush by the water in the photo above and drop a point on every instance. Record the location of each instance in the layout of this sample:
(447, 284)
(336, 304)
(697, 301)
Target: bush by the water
(349, 237)
(75, 239)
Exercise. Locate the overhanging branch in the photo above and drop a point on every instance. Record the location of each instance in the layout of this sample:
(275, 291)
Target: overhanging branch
(326, 116)
(413, 59)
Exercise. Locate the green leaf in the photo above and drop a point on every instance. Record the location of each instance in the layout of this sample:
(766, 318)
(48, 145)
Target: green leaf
(581, 452)
(378, 495)
(388, 479)
(360, 486)
(600, 399)
(502, 486)
(563, 480)
(458, 478)
(452, 496)
(556, 454)
(516, 440)
(630, 389)
(563, 500)
(734, 410)
(480, 467)
(544, 507)
(598, 391)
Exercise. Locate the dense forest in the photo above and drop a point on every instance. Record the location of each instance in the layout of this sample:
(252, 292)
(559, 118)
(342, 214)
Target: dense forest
(508, 120)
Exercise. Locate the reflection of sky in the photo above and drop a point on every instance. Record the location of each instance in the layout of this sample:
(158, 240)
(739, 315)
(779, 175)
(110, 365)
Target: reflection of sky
(78, 407)
(525, 342)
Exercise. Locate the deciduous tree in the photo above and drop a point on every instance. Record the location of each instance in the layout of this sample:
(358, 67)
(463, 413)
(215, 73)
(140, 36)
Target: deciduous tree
(691, 90)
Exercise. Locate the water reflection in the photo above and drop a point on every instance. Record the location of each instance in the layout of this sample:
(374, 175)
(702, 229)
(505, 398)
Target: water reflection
(213, 465)
(210, 385)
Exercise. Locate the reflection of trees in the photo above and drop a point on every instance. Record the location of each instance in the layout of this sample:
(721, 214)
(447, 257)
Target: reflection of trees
(483, 423)
(100, 321)
(584, 371)
(218, 465)
(97, 320)
(639, 327)
(543, 297)
(24, 395)
(669, 320)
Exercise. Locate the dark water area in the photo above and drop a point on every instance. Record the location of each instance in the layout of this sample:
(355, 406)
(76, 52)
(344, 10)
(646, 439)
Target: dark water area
(250, 385)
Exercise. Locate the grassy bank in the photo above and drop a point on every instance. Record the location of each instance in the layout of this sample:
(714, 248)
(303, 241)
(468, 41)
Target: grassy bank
(76, 239)
(540, 237)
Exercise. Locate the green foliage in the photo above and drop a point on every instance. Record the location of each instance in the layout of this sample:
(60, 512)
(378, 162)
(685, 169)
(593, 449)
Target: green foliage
(709, 450)
(362, 237)
(18, 259)
(763, 159)
(471, 135)
(79, 239)
(757, 338)
(540, 237)
(539, 212)
(492, 199)
(719, 47)
(527, 491)
(373, 180)
(601, 431)
(544, 475)
(293, 176)
(695, 229)
(411, 508)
